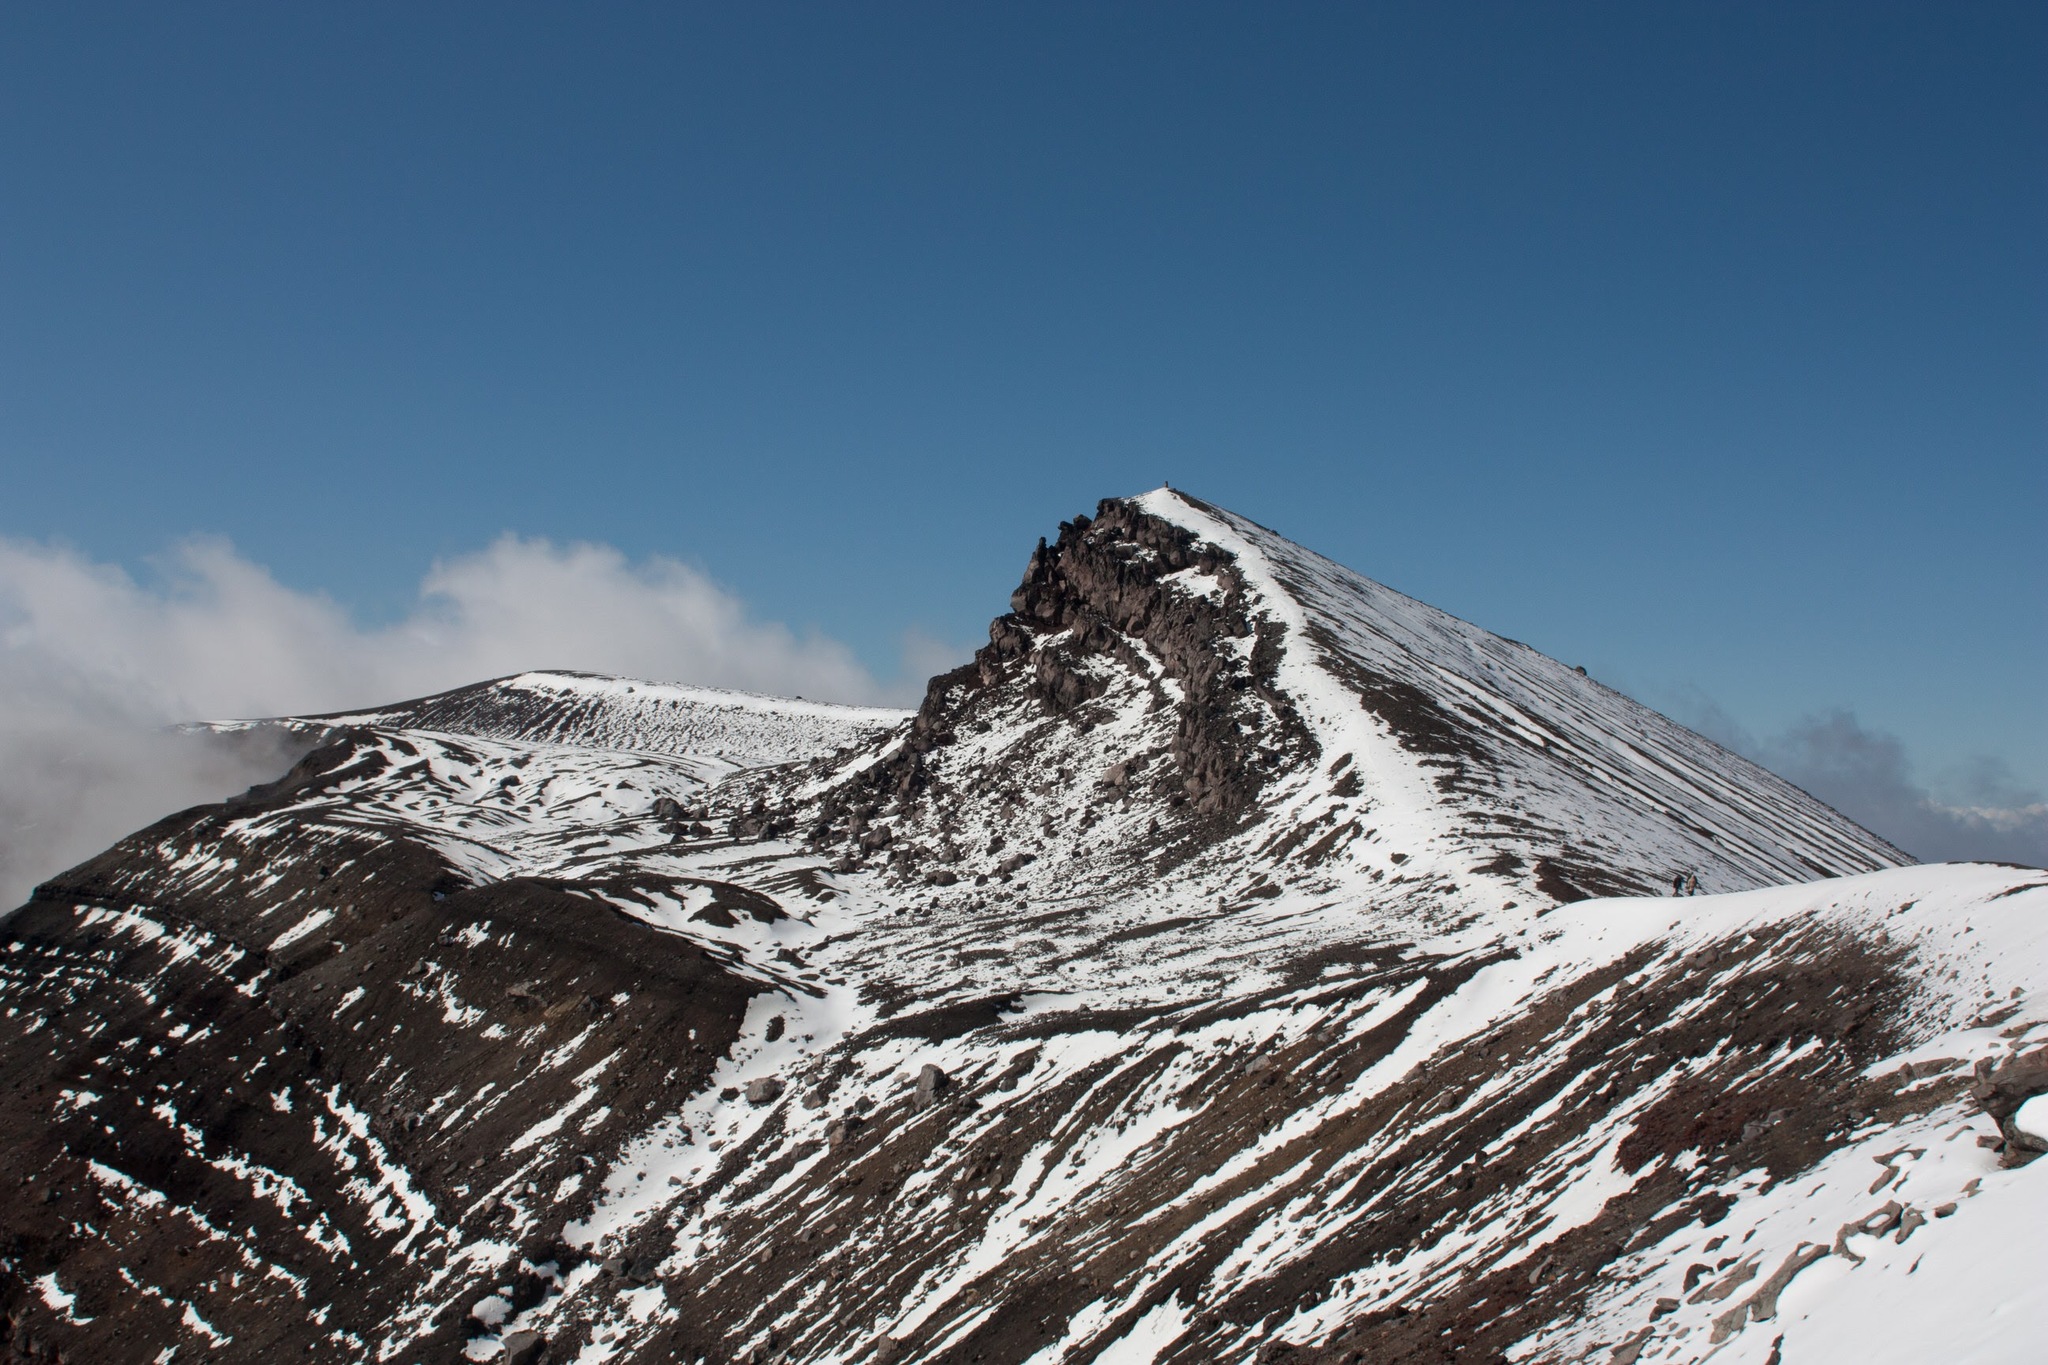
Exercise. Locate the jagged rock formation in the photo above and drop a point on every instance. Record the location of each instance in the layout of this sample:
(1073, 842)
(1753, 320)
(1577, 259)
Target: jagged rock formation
(1204, 973)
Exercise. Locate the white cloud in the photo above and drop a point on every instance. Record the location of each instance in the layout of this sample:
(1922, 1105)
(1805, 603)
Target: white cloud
(95, 665)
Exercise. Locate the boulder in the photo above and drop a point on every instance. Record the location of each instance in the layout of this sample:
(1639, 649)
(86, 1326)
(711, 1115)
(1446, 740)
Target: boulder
(931, 1083)
(523, 1348)
(2002, 1087)
(764, 1090)
(2006, 1090)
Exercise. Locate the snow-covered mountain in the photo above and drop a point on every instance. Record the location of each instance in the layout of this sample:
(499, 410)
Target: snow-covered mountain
(738, 729)
(1237, 961)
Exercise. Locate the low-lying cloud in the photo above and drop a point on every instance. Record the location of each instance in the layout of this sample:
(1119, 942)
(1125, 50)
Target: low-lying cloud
(96, 667)
(1987, 816)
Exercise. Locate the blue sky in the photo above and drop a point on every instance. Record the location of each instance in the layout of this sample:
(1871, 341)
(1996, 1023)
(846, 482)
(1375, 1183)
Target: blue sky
(1699, 344)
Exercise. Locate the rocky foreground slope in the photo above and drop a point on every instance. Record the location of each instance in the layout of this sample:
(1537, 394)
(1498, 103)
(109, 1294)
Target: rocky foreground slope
(1237, 961)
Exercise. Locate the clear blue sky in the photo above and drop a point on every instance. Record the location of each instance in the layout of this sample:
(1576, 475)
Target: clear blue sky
(1702, 344)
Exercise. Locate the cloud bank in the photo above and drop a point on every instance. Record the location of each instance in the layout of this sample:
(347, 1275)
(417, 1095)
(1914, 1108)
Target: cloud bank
(96, 666)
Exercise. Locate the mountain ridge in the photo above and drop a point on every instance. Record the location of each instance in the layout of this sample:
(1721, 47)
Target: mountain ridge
(1205, 972)
(592, 710)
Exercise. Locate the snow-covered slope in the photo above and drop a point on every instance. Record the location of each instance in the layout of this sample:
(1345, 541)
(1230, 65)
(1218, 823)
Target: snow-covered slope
(1527, 754)
(590, 711)
(1205, 973)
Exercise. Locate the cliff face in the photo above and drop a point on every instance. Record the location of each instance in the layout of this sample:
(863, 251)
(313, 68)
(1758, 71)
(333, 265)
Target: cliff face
(1204, 973)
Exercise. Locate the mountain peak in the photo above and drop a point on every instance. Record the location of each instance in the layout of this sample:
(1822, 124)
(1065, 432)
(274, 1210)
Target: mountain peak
(1203, 686)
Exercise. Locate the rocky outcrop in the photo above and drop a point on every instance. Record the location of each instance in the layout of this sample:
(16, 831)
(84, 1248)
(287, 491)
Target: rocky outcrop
(1125, 603)
(1099, 593)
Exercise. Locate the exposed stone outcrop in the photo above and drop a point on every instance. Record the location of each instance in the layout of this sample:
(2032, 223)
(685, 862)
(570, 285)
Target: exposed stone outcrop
(1097, 603)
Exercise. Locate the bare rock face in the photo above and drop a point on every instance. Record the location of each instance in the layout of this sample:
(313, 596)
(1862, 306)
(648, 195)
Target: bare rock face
(1122, 610)
(1101, 586)
(1237, 961)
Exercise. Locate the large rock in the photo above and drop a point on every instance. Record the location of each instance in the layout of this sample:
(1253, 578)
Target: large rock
(524, 1348)
(931, 1084)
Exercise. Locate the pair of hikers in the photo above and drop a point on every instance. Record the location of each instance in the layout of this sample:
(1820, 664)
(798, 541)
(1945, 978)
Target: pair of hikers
(1685, 884)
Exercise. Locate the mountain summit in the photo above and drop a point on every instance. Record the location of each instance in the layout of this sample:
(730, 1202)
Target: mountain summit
(1236, 961)
(1171, 649)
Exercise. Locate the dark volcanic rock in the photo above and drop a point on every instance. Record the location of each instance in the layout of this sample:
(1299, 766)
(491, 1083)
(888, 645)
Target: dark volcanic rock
(524, 1348)
(1089, 603)
(931, 1083)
